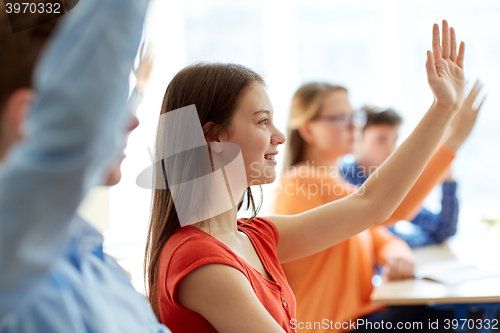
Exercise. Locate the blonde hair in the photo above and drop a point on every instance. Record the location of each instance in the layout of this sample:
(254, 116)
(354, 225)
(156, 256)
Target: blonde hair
(306, 104)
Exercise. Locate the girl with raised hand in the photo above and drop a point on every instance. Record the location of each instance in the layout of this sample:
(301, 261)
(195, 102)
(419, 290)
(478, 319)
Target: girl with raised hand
(224, 274)
(336, 283)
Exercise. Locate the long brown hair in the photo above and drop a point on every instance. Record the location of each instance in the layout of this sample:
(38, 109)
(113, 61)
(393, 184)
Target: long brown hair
(306, 104)
(215, 89)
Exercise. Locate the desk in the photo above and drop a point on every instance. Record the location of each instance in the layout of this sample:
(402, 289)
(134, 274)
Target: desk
(477, 243)
(420, 292)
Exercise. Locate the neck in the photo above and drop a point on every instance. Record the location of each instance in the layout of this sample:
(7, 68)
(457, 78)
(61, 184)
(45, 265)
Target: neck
(222, 224)
(313, 154)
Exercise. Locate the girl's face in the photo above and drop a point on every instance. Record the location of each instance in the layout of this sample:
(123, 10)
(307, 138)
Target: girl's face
(253, 130)
(331, 131)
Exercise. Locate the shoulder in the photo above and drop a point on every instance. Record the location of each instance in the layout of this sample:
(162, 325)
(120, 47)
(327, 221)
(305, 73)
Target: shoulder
(187, 250)
(262, 228)
(189, 245)
(190, 248)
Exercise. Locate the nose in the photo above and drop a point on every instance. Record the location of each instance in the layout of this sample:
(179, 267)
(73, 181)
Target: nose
(278, 138)
(133, 123)
(351, 126)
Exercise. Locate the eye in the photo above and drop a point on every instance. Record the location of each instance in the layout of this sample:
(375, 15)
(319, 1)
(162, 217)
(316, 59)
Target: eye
(263, 121)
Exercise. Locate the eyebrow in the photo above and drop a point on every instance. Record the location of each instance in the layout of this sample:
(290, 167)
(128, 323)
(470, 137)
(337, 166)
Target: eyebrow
(263, 111)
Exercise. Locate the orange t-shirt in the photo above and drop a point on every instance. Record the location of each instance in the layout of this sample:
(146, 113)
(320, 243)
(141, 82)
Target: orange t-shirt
(335, 284)
(190, 248)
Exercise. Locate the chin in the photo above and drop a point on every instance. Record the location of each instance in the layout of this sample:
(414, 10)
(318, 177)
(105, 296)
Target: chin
(114, 177)
(347, 150)
(269, 180)
(261, 181)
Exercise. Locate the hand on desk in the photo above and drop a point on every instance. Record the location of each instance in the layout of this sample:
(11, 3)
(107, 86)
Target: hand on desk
(398, 268)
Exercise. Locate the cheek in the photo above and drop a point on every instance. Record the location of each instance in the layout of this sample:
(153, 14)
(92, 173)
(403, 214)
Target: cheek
(342, 139)
(349, 136)
(253, 150)
(382, 152)
(327, 137)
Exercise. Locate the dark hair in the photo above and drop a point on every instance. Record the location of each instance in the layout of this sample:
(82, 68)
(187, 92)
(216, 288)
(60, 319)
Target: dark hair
(215, 89)
(378, 116)
(19, 53)
(306, 104)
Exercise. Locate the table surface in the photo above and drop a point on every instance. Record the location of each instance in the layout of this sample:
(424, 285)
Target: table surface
(477, 243)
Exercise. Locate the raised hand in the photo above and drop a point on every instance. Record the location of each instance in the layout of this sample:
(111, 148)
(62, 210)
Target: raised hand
(143, 71)
(445, 68)
(465, 119)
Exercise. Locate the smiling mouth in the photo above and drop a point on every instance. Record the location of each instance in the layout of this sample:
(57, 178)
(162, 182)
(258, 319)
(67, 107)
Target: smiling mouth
(269, 157)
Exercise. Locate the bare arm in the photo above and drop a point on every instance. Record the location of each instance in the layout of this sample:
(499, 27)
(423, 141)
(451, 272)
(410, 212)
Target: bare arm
(315, 230)
(224, 297)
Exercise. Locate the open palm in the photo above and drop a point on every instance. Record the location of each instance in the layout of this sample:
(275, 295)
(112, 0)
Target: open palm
(445, 72)
(143, 71)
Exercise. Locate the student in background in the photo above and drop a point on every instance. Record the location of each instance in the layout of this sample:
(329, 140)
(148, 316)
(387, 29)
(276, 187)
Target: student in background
(336, 283)
(224, 274)
(376, 142)
(60, 135)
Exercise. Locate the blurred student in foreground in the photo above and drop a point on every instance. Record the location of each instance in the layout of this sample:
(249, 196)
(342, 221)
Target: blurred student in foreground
(60, 135)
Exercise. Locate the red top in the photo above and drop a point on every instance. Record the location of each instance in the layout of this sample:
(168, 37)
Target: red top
(190, 248)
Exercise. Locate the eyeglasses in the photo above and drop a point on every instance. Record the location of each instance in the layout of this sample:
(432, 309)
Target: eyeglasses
(357, 118)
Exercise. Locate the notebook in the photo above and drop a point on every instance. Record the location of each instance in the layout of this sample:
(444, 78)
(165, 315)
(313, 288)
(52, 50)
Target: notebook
(452, 272)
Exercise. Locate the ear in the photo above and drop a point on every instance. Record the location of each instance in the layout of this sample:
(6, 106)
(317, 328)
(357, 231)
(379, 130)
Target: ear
(305, 132)
(208, 131)
(16, 111)
(214, 143)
